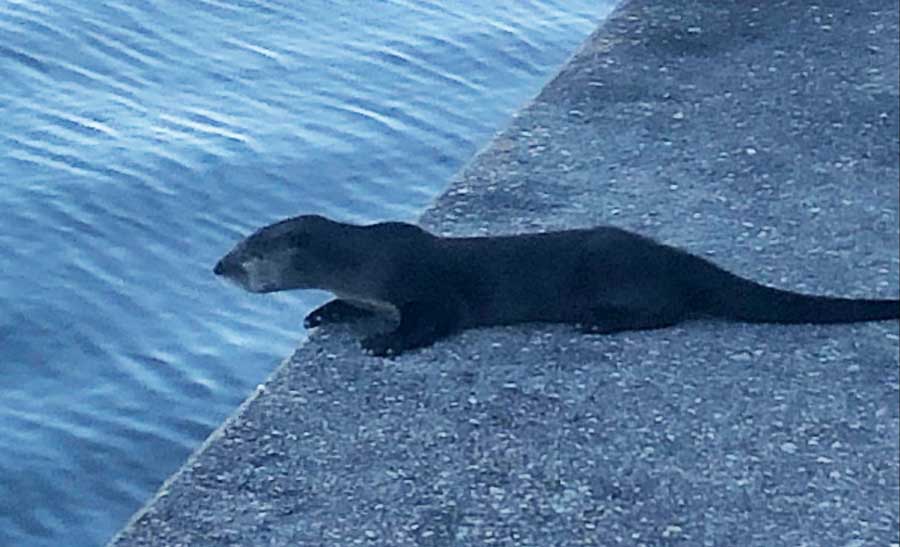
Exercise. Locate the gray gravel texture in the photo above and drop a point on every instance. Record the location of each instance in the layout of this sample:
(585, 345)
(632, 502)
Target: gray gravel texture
(761, 134)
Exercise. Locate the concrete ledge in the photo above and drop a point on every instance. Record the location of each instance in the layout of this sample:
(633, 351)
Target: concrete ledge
(762, 134)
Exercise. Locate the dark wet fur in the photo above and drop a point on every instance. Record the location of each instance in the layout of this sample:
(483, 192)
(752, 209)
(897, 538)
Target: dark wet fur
(604, 279)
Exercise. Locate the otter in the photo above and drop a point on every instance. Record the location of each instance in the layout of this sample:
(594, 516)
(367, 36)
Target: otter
(603, 279)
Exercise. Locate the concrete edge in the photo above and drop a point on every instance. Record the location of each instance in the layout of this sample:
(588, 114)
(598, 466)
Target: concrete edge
(217, 433)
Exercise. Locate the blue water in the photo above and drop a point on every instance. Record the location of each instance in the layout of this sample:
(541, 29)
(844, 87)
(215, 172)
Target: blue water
(140, 139)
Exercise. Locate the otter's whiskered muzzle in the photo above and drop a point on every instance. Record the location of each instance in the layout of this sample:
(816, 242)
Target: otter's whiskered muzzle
(226, 267)
(253, 275)
(232, 270)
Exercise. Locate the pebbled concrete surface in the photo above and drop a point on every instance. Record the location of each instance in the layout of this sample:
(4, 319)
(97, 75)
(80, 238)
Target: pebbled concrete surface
(762, 134)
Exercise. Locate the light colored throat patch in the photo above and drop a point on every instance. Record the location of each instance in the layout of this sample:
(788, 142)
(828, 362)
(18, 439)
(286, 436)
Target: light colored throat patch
(263, 275)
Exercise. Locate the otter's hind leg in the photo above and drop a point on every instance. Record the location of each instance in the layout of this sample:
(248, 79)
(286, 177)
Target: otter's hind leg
(335, 311)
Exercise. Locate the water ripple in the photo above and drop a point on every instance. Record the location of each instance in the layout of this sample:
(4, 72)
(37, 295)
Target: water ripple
(141, 139)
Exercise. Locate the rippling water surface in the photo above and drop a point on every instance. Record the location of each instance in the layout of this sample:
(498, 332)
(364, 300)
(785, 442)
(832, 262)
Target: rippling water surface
(140, 139)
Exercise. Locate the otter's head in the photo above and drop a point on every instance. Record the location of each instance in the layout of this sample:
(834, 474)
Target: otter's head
(304, 252)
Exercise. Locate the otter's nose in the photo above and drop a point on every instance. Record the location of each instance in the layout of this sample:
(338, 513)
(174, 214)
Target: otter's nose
(226, 267)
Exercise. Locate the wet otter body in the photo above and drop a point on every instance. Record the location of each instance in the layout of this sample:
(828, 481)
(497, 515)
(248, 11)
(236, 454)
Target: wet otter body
(603, 279)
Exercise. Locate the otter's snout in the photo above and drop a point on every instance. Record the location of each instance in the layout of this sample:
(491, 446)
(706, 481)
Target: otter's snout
(254, 276)
(232, 270)
(220, 268)
(229, 268)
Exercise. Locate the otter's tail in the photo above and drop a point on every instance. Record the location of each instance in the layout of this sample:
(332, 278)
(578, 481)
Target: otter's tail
(723, 294)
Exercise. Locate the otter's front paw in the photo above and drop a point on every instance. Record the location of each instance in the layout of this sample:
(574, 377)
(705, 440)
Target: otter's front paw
(335, 311)
(312, 320)
(315, 318)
